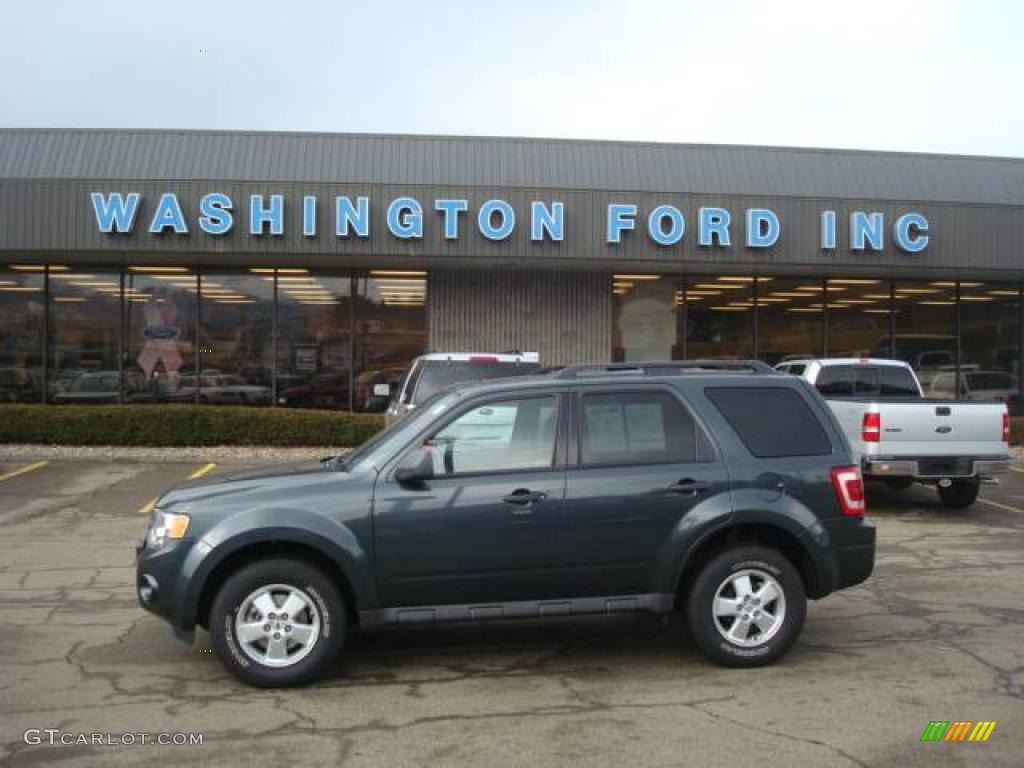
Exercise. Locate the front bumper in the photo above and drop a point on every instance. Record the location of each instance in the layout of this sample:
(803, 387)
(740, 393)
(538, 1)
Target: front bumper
(157, 578)
(936, 467)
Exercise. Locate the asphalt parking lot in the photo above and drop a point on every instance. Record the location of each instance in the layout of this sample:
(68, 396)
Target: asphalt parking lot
(936, 634)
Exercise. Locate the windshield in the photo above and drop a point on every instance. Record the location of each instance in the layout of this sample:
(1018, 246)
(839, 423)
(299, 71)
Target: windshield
(438, 374)
(375, 450)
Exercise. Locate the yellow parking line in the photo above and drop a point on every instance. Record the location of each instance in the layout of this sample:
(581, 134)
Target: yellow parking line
(203, 470)
(1006, 507)
(146, 508)
(1017, 469)
(23, 470)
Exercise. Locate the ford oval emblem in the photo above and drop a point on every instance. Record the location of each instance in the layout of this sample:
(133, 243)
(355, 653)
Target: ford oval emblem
(943, 430)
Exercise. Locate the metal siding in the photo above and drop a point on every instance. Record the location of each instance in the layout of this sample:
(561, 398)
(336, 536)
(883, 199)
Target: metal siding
(564, 316)
(400, 160)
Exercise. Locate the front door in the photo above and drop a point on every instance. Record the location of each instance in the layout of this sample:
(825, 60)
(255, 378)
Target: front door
(640, 465)
(485, 527)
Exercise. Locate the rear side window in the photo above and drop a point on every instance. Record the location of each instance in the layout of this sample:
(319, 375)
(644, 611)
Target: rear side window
(639, 428)
(897, 381)
(771, 421)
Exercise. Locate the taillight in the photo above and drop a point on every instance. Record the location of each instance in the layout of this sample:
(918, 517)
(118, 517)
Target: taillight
(1006, 427)
(482, 359)
(871, 428)
(849, 488)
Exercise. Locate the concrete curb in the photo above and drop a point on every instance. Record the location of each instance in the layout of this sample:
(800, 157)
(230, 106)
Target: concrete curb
(220, 454)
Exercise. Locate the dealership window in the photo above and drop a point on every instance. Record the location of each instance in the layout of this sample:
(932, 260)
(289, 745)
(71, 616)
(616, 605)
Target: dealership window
(925, 323)
(989, 344)
(391, 330)
(84, 322)
(22, 313)
(314, 339)
(719, 316)
(790, 318)
(160, 329)
(645, 310)
(859, 316)
(235, 340)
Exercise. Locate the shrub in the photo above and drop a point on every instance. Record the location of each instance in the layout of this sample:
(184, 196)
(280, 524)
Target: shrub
(183, 425)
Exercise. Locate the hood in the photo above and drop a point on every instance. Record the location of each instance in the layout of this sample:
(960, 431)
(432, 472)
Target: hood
(227, 487)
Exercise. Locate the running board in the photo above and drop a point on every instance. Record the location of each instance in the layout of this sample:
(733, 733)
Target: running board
(524, 609)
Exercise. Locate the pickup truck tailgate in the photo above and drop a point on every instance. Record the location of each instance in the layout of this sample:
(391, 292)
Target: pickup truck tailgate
(937, 428)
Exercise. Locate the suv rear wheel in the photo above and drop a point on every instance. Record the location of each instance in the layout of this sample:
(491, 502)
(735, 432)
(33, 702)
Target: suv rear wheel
(960, 493)
(746, 606)
(277, 623)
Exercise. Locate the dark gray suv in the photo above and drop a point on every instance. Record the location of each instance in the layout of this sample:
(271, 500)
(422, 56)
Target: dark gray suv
(722, 490)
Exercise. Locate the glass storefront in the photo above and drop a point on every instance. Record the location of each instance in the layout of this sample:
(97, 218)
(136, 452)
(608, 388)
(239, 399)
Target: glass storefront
(22, 321)
(236, 340)
(160, 313)
(288, 337)
(962, 338)
(304, 338)
(720, 317)
(83, 322)
(391, 329)
(314, 340)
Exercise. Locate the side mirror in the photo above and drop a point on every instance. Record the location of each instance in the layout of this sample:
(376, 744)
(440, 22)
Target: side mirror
(381, 390)
(415, 468)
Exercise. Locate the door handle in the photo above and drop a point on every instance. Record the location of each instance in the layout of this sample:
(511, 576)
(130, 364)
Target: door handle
(524, 497)
(689, 487)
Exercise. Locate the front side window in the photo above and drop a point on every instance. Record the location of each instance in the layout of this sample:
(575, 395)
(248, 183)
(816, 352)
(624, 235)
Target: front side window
(638, 428)
(498, 437)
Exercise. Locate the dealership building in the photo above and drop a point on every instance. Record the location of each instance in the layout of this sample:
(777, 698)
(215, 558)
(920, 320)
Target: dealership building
(302, 269)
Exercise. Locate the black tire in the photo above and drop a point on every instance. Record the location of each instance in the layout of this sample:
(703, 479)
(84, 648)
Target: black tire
(898, 483)
(327, 601)
(961, 493)
(703, 626)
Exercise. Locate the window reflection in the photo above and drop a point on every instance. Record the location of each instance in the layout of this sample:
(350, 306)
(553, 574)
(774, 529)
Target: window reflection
(160, 325)
(925, 321)
(989, 345)
(790, 319)
(858, 317)
(84, 321)
(314, 340)
(719, 317)
(644, 311)
(391, 330)
(22, 309)
(235, 340)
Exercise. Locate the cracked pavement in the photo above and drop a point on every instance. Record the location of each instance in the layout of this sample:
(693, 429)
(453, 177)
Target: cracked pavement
(936, 634)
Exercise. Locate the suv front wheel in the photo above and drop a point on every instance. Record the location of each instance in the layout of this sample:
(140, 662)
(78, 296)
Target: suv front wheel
(746, 607)
(277, 623)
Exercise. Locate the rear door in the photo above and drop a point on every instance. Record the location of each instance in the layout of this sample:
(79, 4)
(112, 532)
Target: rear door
(639, 461)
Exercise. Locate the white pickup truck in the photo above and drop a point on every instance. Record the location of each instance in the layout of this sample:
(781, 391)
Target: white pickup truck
(902, 437)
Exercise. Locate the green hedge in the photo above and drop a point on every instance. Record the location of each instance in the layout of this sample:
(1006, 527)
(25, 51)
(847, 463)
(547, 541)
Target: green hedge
(182, 425)
(1016, 430)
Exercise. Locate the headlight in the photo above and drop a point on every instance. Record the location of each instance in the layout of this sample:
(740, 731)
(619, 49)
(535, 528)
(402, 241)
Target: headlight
(164, 526)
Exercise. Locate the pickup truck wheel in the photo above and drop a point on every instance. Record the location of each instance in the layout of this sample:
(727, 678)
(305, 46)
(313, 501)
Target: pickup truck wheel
(278, 623)
(746, 607)
(960, 493)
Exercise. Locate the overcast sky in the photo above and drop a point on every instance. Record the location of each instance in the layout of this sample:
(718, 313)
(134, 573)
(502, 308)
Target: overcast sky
(904, 75)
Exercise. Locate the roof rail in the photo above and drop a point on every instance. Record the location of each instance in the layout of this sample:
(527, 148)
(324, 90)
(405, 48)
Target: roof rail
(661, 368)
